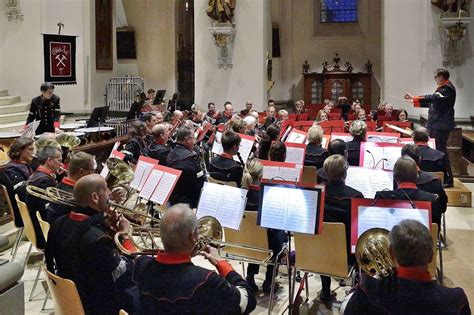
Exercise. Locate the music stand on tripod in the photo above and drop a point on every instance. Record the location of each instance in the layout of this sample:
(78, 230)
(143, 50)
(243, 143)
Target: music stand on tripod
(98, 116)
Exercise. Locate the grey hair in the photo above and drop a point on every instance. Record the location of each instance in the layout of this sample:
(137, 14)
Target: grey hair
(405, 170)
(250, 121)
(411, 243)
(158, 130)
(335, 167)
(315, 134)
(358, 128)
(420, 134)
(176, 226)
(80, 160)
(183, 132)
(47, 152)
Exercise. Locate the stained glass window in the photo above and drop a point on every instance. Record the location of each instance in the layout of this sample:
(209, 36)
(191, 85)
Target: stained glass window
(338, 11)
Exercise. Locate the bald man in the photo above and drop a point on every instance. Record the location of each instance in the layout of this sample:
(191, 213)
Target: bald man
(80, 248)
(172, 284)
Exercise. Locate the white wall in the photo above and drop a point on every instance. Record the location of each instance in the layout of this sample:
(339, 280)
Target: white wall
(412, 51)
(246, 79)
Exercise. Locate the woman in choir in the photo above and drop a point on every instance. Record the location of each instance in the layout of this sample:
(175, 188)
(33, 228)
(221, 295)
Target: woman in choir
(358, 130)
(321, 116)
(315, 153)
(360, 114)
(402, 115)
(251, 179)
(327, 109)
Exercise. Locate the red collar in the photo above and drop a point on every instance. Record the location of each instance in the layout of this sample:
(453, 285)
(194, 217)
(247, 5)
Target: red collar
(407, 185)
(423, 143)
(254, 187)
(75, 216)
(45, 170)
(410, 273)
(172, 259)
(227, 156)
(68, 181)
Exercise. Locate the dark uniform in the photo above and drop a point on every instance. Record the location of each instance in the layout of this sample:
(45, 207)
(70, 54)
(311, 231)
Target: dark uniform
(353, 151)
(55, 210)
(224, 167)
(135, 147)
(80, 249)
(410, 292)
(159, 152)
(42, 178)
(432, 160)
(409, 191)
(322, 177)
(172, 284)
(188, 187)
(315, 155)
(337, 208)
(46, 111)
(431, 183)
(18, 174)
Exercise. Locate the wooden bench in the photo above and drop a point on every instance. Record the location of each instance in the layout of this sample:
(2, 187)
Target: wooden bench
(468, 144)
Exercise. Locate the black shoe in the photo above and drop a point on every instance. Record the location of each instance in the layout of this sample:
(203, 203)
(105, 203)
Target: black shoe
(267, 287)
(448, 185)
(251, 281)
(326, 297)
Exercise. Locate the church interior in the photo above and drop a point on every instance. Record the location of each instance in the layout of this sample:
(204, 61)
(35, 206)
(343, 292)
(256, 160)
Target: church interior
(313, 70)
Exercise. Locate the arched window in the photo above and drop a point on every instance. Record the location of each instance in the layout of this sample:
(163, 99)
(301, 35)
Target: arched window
(358, 91)
(336, 90)
(316, 92)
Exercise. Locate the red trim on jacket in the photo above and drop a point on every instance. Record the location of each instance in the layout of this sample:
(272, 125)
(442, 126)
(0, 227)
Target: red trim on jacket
(227, 156)
(79, 217)
(254, 187)
(56, 124)
(224, 267)
(416, 100)
(68, 181)
(171, 259)
(407, 185)
(410, 273)
(45, 170)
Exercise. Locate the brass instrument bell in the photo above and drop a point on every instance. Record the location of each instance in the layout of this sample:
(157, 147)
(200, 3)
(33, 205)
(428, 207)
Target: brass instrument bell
(372, 253)
(209, 230)
(68, 140)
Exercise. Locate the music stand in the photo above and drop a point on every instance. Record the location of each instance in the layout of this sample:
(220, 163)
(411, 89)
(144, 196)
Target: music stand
(332, 126)
(160, 94)
(98, 116)
(173, 102)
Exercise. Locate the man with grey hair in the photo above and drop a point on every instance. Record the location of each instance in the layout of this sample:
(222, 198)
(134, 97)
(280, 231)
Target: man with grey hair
(411, 290)
(172, 284)
(184, 158)
(81, 249)
(159, 149)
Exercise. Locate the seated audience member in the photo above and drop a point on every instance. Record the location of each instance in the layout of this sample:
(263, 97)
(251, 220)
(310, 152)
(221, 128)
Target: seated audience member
(402, 115)
(277, 151)
(248, 107)
(159, 149)
(271, 117)
(272, 134)
(171, 284)
(321, 116)
(251, 180)
(50, 159)
(327, 109)
(432, 160)
(357, 106)
(18, 169)
(250, 124)
(337, 207)
(388, 110)
(81, 249)
(80, 165)
(410, 290)
(283, 115)
(381, 106)
(136, 145)
(426, 181)
(224, 167)
(405, 175)
(184, 158)
(299, 107)
(315, 153)
(337, 146)
(358, 131)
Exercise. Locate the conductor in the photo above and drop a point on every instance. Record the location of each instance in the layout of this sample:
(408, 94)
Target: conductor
(46, 109)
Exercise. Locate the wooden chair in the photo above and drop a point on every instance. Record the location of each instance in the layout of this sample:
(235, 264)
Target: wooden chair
(44, 225)
(65, 295)
(436, 272)
(19, 231)
(309, 175)
(221, 182)
(444, 238)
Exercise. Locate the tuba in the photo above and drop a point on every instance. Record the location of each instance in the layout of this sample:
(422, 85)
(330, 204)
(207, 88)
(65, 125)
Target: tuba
(119, 176)
(68, 140)
(372, 253)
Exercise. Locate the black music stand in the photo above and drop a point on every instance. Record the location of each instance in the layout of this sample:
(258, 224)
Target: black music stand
(160, 95)
(98, 116)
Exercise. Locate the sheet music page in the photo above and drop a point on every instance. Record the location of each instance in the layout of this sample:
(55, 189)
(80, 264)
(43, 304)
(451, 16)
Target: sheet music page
(359, 179)
(377, 155)
(290, 174)
(287, 132)
(379, 180)
(245, 149)
(270, 172)
(324, 142)
(231, 207)
(151, 183)
(163, 189)
(302, 211)
(217, 146)
(295, 155)
(142, 171)
(387, 218)
(274, 208)
(296, 137)
(209, 201)
(391, 154)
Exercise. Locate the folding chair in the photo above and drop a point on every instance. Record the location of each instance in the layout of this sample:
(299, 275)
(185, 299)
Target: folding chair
(221, 182)
(444, 239)
(436, 272)
(65, 295)
(309, 175)
(19, 231)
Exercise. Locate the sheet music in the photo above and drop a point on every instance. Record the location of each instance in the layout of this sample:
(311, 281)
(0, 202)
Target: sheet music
(343, 137)
(296, 137)
(287, 132)
(245, 149)
(217, 146)
(295, 155)
(142, 171)
(387, 218)
(382, 138)
(302, 211)
(290, 174)
(151, 183)
(369, 181)
(270, 172)
(324, 142)
(274, 207)
(30, 130)
(391, 154)
(164, 188)
(372, 156)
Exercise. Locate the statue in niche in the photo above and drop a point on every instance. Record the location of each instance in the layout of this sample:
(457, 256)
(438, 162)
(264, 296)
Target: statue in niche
(306, 67)
(221, 11)
(349, 67)
(368, 66)
(335, 61)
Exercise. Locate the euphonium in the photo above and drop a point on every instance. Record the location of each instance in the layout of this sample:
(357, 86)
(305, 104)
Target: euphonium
(68, 140)
(119, 176)
(372, 253)
(209, 230)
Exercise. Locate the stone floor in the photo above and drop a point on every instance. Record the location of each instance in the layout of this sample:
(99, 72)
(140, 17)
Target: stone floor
(458, 258)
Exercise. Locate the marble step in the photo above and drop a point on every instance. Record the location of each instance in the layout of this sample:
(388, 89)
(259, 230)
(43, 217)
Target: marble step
(3, 92)
(15, 108)
(14, 117)
(13, 126)
(9, 100)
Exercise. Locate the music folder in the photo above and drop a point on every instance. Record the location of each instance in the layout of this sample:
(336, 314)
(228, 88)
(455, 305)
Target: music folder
(281, 171)
(296, 136)
(291, 208)
(379, 154)
(369, 213)
(346, 137)
(388, 137)
(295, 153)
(225, 203)
(245, 148)
(159, 184)
(115, 154)
(368, 181)
(217, 146)
(332, 126)
(144, 167)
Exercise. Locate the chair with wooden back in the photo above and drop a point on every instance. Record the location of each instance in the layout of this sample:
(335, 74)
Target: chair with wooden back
(222, 182)
(45, 226)
(309, 175)
(19, 232)
(436, 272)
(65, 295)
(440, 176)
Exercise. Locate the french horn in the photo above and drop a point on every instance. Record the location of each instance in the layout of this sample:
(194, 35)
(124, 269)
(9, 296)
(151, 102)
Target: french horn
(372, 253)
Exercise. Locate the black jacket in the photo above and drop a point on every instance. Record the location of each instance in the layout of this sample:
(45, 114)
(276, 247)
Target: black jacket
(433, 160)
(226, 169)
(134, 148)
(353, 152)
(55, 210)
(431, 183)
(180, 287)
(159, 152)
(46, 111)
(188, 187)
(315, 155)
(441, 107)
(18, 174)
